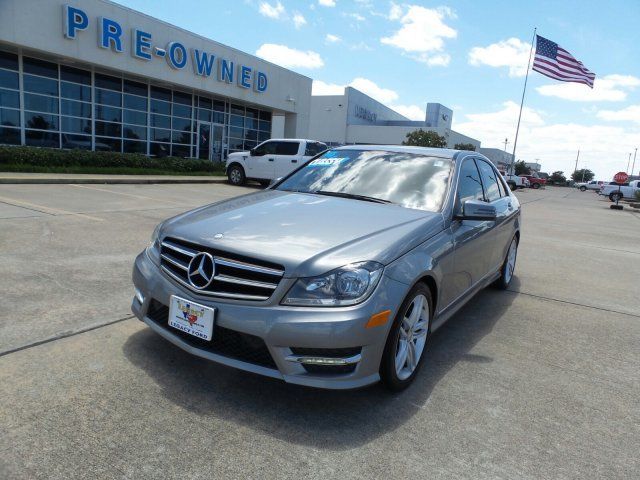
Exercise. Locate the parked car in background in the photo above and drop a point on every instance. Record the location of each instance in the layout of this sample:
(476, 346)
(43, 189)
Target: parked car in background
(592, 185)
(271, 159)
(617, 192)
(337, 275)
(515, 181)
(535, 182)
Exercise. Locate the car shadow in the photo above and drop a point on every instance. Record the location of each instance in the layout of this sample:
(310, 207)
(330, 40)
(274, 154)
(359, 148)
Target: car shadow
(325, 419)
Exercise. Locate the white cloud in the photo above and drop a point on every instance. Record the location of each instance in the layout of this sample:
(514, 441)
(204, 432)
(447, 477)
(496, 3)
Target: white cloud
(272, 11)
(628, 114)
(355, 16)
(289, 57)
(412, 112)
(331, 38)
(440, 60)
(395, 12)
(512, 53)
(299, 20)
(554, 144)
(423, 33)
(321, 88)
(610, 88)
(327, 3)
(362, 45)
(370, 88)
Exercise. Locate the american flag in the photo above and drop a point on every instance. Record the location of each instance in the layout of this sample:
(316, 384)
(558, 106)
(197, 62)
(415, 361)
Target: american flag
(554, 61)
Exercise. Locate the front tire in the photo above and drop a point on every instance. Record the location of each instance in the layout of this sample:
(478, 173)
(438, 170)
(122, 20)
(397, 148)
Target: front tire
(583, 188)
(407, 340)
(513, 186)
(535, 186)
(236, 175)
(508, 267)
(615, 196)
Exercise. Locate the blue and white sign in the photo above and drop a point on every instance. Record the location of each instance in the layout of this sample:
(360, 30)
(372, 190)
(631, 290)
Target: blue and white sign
(111, 36)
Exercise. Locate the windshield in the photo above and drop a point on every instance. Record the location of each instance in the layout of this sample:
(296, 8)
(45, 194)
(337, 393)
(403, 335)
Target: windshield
(407, 179)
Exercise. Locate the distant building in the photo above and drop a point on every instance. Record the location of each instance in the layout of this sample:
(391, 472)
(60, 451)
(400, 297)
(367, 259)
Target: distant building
(356, 118)
(534, 166)
(499, 157)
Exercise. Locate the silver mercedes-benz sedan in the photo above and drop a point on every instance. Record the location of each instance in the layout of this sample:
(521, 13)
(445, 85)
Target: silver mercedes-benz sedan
(337, 275)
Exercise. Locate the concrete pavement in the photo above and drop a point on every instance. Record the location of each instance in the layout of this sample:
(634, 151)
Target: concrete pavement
(539, 382)
(82, 178)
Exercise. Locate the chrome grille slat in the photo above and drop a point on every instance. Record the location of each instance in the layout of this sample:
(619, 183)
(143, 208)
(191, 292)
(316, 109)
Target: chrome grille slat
(242, 281)
(174, 261)
(178, 248)
(246, 266)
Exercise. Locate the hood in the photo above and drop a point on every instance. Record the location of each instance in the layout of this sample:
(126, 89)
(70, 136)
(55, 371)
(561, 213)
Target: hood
(239, 154)
(307, 234)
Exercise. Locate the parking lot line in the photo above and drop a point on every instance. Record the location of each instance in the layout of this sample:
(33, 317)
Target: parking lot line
(44, 209)
(142, 197)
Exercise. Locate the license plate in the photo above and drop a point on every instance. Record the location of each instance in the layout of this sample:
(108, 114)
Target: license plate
(191, 318)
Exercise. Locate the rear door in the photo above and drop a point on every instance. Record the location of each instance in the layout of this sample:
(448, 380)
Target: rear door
(288, 157)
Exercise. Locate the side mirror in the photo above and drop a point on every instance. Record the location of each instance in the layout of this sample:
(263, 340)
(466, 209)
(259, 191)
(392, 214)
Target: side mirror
(477, 210)
(252, 152)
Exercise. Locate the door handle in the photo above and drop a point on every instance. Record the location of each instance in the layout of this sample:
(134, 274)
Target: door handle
(294, 161)
(270, 159)
(510, 206)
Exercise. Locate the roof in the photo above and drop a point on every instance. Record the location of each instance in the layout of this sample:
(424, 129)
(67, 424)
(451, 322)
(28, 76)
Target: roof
(435, 152)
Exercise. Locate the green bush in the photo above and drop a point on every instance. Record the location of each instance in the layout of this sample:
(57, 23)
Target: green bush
(638, 195)
(52, 157)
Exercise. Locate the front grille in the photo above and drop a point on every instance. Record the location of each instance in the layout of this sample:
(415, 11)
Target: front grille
(235, 276)
(226, 342)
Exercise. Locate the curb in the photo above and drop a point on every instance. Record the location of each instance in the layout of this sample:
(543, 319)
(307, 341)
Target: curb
(114, 181)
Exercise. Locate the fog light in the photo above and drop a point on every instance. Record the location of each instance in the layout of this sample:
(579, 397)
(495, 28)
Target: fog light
(139, 296)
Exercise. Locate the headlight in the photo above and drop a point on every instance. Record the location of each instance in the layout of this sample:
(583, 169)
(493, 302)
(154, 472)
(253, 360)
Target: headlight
(153, 250)
(344, 286)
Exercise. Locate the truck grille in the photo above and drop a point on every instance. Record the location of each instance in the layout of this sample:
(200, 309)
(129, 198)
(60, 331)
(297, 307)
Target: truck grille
(233, 276)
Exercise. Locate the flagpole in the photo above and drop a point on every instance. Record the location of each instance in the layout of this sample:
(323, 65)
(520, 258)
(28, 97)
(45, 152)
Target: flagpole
(515, 141)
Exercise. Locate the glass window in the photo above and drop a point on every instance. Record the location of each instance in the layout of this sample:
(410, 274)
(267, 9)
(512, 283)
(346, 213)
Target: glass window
(314, 148)
(158, 106)
(182, 124)
(181, 137)
(235, 143)
(135, 102)
(236, 121)
(161, 121)
(135, 117)
(236, 132)
(265, 126)
(262, 136)
(204, 115)
(75, 75)
(181, 151)
(267, 148)
(160, 135)
(489, 180)
(249, 144)
(108, 144)
(76, 109)
(9, 118)
(130, 146)
(9, 79)
(183, 98)
(75, 91)
(219, 106)
(9, 98)
(251, 135)
(265, 116)
(40, 121)
(40, 103)
(10, 136)
(108, 82)
(160, 149)
(160, 93)
(205, 103)
(252, 113)
(218, 117)
(412, 180)
(287, 148)
(75, 125)
(46, 86)
(108, 97)
(136, 88)
(250, 123)
(42, 139)
(469, 184)
(109, 129)
(237, 110)
(181, 110)
(82, 142)
(39, 67)
(110, 114)
(135, 132)
(8, 60)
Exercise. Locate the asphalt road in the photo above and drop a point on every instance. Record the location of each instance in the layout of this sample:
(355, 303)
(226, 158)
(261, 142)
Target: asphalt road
(542, 381)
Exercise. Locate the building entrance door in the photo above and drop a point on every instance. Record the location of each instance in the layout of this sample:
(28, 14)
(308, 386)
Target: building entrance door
(204, 141)
(218, 143)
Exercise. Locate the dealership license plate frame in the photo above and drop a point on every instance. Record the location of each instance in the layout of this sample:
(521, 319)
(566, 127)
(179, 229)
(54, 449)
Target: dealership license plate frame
(178, 320)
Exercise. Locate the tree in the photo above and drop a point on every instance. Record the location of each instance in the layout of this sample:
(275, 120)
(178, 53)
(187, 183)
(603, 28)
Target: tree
(422, 138)
(465, 146)
(582, 175)
(521, 169)
(558, 177)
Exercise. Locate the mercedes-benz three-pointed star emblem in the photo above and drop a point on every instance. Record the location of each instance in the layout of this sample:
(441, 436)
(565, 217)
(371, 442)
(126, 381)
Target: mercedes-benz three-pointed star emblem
(202, 268)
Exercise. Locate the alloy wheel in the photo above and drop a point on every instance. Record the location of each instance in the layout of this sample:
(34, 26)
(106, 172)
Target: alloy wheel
(412, 337)
(511, 261)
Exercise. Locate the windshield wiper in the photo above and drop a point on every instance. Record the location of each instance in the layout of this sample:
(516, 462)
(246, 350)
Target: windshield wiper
(351, 195)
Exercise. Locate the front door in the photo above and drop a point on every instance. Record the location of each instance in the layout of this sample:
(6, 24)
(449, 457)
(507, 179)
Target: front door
(204, 141)
(217, 143)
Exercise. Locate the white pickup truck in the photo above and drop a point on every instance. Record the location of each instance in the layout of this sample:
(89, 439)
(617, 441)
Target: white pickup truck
(618, 192)
(515, 181)
(271, 159)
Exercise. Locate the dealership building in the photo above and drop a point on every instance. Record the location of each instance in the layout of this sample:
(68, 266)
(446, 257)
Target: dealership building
(96, 75)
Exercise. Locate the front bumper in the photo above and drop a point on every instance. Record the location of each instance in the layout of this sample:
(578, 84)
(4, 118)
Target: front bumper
(285, 331)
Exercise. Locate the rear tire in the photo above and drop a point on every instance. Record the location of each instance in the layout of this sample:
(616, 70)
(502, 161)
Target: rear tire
(407, 340)
(615, 196)
(508, 266)
(513, 186)
(236, 175)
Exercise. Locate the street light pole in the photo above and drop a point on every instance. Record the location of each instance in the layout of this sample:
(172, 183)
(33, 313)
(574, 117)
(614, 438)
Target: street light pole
(576, 167)
(583, 172)
(628, 163)
(634, 160)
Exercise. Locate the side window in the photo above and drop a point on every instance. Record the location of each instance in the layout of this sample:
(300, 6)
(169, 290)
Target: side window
(469, 184)
(267, 148)
(312, 149)
(490, 181)
(287, 148)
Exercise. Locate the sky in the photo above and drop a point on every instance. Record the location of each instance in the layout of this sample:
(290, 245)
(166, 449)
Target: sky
(469, 55)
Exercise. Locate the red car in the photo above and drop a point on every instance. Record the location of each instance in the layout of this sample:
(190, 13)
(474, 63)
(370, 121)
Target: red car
(534, 182)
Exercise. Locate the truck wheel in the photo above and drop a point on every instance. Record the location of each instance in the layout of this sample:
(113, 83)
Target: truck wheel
(236, 175)
(615, 196)
(535, 186)
(583, 188)
(512, 186)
